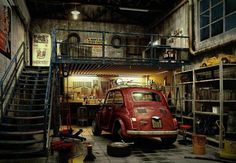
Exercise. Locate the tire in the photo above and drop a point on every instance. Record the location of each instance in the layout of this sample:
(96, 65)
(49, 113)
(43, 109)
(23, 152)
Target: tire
(117, 132)
(96, 129)
(118, 149)
(204, 65)
(225, 60)
(169, 141)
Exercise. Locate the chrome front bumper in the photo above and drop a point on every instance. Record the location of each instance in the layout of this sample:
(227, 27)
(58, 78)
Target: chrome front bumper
(151, 133)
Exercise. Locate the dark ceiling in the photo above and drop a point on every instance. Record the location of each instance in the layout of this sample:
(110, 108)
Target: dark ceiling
(102, 10)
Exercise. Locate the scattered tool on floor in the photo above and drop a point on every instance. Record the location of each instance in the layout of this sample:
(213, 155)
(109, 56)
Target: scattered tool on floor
(69, 134)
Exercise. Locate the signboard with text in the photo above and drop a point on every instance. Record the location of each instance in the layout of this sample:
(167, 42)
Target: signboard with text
(41, 49)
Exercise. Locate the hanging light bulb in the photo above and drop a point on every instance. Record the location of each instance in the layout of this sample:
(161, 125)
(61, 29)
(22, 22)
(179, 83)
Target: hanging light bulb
(75, 13)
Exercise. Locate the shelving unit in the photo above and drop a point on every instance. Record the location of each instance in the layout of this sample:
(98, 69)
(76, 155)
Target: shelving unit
(213, 93)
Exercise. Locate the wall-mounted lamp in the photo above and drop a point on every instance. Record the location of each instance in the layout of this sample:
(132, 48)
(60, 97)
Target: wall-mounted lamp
(75, 13)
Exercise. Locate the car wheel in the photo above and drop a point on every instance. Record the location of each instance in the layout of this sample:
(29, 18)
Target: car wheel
(169, 141)
(118, 149)
(96, 129)
(117, 132)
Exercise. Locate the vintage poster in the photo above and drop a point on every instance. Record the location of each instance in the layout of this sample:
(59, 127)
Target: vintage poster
(41, 49)
(5, 19)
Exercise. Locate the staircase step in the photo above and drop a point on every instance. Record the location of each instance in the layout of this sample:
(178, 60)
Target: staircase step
(32, 84)
(27, 99)
(30, 89)
(25, 111)
(34, 74)
(35, 71)
(17, 92)
(20, 142)
(27, 106)
(24, 118)
(22, 125)
(21, 133)
(33, 80)
(36, 67)
(25, 152)
(29, 95)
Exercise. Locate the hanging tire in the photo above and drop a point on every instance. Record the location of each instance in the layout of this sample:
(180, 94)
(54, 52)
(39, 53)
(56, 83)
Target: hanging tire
(96, 129)
(118, 149)
(169, 141)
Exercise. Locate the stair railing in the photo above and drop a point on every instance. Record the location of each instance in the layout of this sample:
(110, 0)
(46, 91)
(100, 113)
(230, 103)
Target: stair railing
(10, 77)
(48, 107)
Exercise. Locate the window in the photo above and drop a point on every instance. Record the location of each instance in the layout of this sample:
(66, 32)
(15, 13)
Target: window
(118, 99)
(146, 96)
(109, 99)
(216, 17)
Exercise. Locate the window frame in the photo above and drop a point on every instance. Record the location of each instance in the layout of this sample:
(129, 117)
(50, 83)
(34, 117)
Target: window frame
(219, 39)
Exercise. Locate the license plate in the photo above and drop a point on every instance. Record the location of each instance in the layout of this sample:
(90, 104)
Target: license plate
(156, 123)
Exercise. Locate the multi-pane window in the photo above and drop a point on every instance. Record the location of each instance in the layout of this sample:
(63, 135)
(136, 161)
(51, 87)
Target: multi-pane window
(216, 17)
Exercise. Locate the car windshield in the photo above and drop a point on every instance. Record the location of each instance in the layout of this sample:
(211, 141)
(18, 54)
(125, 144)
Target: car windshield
(146, 96)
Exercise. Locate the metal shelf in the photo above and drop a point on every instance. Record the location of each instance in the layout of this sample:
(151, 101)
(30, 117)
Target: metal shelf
(188, 100)
(208, 113)
(225, 80)
(207, 100)
(207, 80)
(184, 83)
(184, 72)
(187, 117)
(212, 139)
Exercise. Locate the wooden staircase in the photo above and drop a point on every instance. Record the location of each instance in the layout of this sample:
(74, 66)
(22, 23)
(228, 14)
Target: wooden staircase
(24, 123)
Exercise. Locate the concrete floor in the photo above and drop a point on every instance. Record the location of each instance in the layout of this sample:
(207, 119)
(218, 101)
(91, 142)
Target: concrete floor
(144, 151)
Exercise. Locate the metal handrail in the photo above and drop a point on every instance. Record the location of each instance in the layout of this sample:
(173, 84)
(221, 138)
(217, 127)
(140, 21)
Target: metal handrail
(48, 108)
(10, 76)
(149, 49)
(48, 99)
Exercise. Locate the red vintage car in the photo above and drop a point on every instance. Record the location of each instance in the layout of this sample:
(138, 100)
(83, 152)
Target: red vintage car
(136, 112)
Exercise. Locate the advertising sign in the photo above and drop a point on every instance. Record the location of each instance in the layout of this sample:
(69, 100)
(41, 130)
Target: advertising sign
(5, 18)
(41, 49)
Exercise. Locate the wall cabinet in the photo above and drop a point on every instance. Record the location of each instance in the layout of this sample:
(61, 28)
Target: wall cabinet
(205, 96)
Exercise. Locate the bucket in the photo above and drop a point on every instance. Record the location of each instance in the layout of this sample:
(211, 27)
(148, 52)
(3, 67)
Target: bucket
(199, 142)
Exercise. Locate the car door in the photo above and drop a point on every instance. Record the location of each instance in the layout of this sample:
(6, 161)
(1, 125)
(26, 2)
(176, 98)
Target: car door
(107, 110)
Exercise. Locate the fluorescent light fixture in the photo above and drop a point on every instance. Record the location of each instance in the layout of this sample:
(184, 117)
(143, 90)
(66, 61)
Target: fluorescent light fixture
(133, 9)
(75, 14)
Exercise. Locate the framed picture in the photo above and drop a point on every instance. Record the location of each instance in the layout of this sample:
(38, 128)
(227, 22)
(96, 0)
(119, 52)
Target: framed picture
(5, 29)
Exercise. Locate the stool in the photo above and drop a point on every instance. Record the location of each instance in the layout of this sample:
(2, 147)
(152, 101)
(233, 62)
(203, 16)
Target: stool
(184, 129)
(82, 115)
